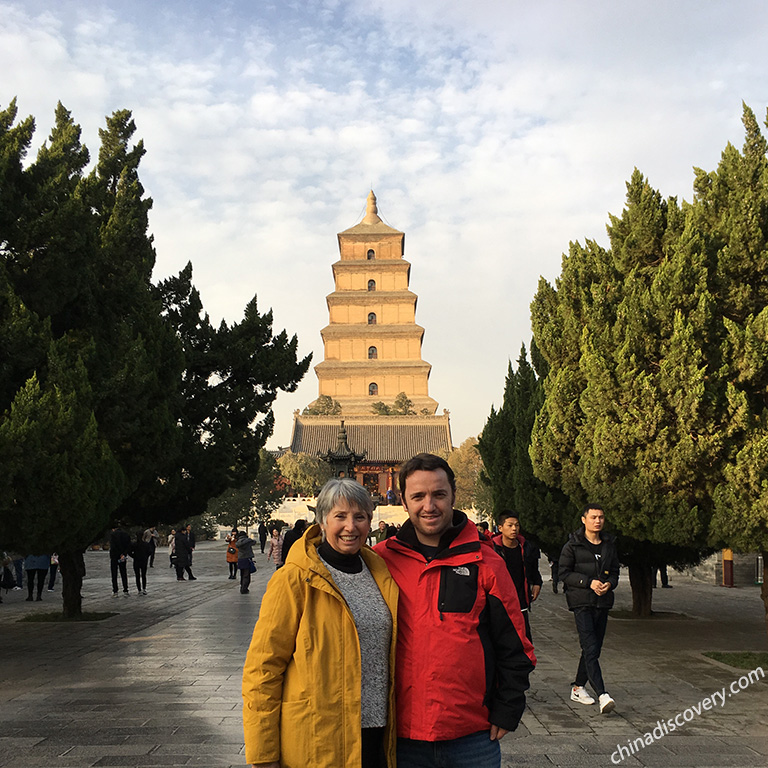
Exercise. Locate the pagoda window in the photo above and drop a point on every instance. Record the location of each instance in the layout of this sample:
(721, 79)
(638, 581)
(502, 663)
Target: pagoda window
(371, 318)
(371, 285)
(373, 353)
(371, 254)
(373, 389)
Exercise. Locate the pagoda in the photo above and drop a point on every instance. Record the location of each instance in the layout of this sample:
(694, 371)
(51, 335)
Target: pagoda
(372, 343)
(372, 353)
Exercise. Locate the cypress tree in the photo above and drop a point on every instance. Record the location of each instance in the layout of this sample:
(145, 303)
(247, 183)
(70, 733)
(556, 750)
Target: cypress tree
(545, 513)
(630, 414)
(731, 204)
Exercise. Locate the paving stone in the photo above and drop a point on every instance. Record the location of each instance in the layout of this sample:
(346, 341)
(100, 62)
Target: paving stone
(159, 684)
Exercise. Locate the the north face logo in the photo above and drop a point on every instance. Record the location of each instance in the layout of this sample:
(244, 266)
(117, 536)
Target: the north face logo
(461, 571)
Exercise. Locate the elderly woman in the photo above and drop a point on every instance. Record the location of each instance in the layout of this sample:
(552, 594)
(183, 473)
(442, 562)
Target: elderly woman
(318, 678)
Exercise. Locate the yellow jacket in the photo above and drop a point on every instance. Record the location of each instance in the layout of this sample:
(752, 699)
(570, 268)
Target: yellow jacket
(302, 677)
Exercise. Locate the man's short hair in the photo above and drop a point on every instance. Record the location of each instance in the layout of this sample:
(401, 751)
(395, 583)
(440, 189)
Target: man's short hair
(483, 525)
(506, 514)
(587, 507)
(426, 462)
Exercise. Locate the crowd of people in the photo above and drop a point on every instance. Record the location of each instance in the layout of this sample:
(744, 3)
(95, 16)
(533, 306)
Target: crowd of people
(415, 652)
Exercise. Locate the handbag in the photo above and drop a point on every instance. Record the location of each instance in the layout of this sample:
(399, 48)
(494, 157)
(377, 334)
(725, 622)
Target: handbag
(251, 567)
(231, 551)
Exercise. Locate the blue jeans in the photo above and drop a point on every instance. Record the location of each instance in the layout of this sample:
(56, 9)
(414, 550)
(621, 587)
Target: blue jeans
(591, 624)
(473, 751)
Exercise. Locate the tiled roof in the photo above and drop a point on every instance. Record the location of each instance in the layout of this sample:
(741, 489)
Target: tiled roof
(385, 439)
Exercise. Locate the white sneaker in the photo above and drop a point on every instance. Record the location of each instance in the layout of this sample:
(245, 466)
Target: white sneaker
(579, 693)
(114, 594)
(607, 704)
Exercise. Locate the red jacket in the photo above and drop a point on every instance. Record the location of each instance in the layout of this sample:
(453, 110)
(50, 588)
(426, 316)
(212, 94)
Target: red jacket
(463, 659)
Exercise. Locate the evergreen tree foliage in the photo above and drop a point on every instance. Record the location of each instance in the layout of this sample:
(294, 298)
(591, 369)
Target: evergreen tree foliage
(117, 398)
(634, 410)
(545, 514)
(253, 502)
(732, 207)
(403, 406)
(232, 377)
(471, 491)
(323, 406)
(305, 474)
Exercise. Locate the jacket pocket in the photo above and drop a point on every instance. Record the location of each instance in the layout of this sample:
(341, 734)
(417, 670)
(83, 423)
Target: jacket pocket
(458, 588)
(298, 737)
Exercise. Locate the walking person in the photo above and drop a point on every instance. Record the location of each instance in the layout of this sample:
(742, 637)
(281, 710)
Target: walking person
(183, 556)
(589, 569)
(244, 545)
(190, 534)
(172, 548)
(318, 678)
(263, 534)
(232, 553)
(36, 567)
(140, 552)
(275, 553)
(522, 560)
(152, 537)
(119, 548)
(53, 571)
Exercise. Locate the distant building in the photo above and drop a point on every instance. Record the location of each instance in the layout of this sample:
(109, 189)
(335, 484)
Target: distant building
(372, 353)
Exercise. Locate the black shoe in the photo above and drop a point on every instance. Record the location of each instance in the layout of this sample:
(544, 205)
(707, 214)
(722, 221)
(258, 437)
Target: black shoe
(666, 586)
(29, 599)
(193, 578)
(182, 579)
(244, 592)
(554, 588)
(39, 598)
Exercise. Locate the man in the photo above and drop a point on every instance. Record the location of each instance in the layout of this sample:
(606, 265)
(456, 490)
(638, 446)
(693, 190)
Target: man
(263, 533)
(119, 547)
(483, 530)
(292, 536)
(190, 534)
(463, 660)
(182, 553)
(151, 537)
(381, 533)
(522, 560)
(589, 569)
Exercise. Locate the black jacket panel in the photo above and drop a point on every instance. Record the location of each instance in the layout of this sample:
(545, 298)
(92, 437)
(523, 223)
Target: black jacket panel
(578, 567)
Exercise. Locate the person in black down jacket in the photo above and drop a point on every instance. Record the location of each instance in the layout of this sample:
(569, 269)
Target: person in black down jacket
(589, 569)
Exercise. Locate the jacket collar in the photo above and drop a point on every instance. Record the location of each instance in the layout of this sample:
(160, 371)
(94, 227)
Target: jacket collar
(579, 537)
(497, 540)
(303, 554)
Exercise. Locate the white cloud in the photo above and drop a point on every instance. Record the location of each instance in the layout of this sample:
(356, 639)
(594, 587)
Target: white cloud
(493, 132)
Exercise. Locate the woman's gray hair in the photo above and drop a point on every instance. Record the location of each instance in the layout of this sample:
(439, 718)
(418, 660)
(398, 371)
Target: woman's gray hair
(342, 488)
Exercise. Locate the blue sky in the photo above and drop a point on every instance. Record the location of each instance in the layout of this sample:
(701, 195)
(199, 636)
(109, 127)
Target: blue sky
(493, 133)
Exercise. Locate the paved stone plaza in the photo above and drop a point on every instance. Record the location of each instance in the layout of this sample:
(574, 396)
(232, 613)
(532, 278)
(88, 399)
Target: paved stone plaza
(159, 684)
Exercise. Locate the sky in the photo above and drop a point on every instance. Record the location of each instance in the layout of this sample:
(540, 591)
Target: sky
(493, 132)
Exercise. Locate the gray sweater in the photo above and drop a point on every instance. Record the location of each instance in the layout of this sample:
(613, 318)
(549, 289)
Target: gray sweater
(374, 630)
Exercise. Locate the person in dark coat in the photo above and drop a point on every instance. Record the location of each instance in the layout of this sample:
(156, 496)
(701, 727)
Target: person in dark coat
(141, 551)
(244, 545)
(263, 534)
(293, 536)
(589, 570)
(119, 549)
(183, 554)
